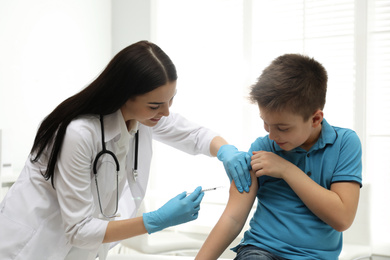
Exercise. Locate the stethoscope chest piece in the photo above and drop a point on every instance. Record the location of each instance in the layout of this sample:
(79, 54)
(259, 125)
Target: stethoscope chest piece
(135, 175)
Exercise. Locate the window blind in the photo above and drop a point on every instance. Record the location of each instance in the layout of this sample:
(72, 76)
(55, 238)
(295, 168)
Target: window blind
(378, 83)
(323, 30)
(351, 38)
(378, 116)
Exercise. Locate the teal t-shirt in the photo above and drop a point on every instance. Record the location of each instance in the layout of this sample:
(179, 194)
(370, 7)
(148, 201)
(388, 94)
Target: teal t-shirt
(282, 224)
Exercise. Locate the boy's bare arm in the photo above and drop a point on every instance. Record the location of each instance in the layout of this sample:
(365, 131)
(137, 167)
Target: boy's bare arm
(230, 223)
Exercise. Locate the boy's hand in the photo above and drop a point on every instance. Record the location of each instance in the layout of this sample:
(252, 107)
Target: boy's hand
(270, 164)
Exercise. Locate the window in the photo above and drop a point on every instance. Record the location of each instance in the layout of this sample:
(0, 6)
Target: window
(320, 29)
(378, 115)
(220, 47)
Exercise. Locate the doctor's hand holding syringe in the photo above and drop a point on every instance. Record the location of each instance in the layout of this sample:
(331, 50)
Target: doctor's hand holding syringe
(178, 210)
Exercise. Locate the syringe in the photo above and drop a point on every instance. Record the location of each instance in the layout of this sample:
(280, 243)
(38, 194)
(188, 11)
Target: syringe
(208, 189)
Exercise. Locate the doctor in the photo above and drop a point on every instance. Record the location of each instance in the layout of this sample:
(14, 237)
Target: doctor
(95, 150)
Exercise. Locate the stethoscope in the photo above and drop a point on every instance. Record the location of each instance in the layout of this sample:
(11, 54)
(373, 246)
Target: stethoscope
(105, 151)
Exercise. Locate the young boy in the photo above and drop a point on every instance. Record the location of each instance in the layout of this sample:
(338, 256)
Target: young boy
(306, 174)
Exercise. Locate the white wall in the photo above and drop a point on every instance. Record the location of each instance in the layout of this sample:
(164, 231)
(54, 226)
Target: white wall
(131, 22)
(49, 49)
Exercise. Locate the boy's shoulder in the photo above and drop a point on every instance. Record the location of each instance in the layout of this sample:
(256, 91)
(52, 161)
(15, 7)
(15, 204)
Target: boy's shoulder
(262, 143)
(338, 135)
(336, 131)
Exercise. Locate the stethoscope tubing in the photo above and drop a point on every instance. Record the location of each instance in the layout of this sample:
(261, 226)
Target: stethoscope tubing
(105, 151)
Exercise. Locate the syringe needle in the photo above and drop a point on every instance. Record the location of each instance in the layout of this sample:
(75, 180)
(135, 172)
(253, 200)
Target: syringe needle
(208, 189)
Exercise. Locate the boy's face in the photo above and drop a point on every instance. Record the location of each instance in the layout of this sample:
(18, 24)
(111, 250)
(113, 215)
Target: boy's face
(289, 130)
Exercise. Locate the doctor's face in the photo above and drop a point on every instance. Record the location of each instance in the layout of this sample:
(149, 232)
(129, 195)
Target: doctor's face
(149, 108)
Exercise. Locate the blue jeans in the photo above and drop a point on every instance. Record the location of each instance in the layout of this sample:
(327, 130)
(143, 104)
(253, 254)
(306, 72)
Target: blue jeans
(250, 252)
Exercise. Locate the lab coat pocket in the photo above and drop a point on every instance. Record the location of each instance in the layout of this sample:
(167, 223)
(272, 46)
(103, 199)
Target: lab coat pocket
(14, 237)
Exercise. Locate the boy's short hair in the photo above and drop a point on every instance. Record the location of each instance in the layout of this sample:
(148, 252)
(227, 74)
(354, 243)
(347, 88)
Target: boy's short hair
(294, 82)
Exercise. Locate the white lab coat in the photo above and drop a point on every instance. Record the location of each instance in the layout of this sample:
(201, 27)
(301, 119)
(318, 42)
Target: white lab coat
(39, 222)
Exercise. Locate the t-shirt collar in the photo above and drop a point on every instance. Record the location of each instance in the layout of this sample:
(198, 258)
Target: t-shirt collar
(328, 136)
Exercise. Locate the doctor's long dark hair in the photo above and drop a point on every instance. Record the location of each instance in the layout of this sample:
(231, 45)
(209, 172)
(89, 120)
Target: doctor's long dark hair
(136, 70)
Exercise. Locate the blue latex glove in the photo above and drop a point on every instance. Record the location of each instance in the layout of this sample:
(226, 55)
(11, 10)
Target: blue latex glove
(178, 210)
(237, 165)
